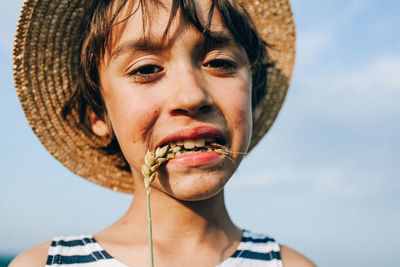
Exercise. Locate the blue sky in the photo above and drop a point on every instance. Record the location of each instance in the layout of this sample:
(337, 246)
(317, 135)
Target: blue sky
(325, 180)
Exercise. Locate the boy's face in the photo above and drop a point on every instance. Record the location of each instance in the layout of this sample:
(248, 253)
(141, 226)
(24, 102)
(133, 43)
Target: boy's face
(181, 89)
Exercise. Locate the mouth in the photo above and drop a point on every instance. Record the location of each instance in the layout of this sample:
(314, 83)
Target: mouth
(198, 145)
(194, 140)
(194, 146)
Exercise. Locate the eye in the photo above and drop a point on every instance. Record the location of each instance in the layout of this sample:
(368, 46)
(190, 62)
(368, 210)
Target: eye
(219, 63)
(146, 73)
(221, 66)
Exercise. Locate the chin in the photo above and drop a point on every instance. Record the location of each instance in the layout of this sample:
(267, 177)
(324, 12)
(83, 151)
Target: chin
(194, 186)
(196, 195)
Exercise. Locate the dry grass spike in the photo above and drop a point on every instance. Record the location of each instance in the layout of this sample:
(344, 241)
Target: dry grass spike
(153, 160)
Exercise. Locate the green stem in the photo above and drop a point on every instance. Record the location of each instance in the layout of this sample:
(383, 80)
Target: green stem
(150, 227)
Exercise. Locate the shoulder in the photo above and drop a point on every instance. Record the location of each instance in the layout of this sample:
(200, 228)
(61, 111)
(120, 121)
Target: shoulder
(33, 257)
(292, 258)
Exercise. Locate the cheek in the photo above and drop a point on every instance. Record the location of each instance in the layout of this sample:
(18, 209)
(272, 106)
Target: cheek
(128, 113)
(242, 119)
(132, 117)
(235, 101)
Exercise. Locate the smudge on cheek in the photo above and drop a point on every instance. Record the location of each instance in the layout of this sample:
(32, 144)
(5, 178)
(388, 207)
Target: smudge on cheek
(242, 114)
(242, 124)
(150, 117)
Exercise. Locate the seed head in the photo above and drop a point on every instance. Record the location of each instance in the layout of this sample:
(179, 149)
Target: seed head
(160, 152)
(149, 159)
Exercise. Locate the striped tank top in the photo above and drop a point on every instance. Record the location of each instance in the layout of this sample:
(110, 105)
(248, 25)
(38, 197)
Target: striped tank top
(254, 250)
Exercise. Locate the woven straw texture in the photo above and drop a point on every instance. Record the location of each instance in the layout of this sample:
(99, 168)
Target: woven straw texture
(46, 56)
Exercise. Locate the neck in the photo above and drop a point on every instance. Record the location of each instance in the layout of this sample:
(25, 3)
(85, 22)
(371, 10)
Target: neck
(182, 230)
(174, 219)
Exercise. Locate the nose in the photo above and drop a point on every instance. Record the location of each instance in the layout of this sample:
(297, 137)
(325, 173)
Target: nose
(190, 94)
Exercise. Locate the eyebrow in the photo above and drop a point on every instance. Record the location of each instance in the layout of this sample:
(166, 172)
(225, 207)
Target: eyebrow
(217, 38)
(141, 44)
(210, 40)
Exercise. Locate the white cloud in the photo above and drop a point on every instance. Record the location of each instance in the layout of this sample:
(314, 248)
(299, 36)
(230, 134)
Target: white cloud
(361, 94)
(382, 73)
(333, 183)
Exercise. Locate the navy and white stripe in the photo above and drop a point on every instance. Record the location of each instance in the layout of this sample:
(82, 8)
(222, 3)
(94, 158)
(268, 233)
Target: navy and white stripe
(254, 250)
(80, 250)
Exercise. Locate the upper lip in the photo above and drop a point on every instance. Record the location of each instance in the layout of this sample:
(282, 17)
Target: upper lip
(193, 133)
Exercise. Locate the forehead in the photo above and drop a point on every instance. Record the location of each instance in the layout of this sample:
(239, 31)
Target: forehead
(151, 19)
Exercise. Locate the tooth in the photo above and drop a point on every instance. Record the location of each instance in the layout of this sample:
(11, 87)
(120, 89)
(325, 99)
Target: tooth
(200, 142)
(209, 149)
(179, 142)
(176, 149)
(178, 153)
(189, 144)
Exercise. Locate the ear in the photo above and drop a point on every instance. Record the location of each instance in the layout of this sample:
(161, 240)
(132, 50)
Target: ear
(99, 127)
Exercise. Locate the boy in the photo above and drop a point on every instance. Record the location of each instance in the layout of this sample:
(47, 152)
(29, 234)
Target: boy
(193, 76)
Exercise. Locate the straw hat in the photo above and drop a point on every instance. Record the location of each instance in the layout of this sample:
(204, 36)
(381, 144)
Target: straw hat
(46, 56)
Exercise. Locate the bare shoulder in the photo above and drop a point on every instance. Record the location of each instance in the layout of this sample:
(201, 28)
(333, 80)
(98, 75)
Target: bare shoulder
(33, 257)
(292, 258)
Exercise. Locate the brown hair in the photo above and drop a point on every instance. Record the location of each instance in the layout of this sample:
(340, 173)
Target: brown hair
(96, 30)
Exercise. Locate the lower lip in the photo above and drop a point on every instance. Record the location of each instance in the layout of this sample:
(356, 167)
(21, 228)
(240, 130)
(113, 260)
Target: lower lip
(196, 159)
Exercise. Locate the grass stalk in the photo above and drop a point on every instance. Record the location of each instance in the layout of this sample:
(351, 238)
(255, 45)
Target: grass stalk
(150, 227)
